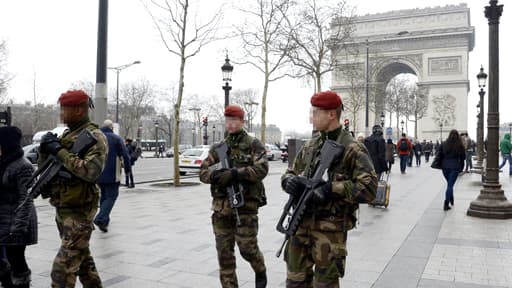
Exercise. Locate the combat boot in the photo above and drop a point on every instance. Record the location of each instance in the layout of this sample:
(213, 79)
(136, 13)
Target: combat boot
(21, 280)
(261, 279)
(5, 274)
(446, 206)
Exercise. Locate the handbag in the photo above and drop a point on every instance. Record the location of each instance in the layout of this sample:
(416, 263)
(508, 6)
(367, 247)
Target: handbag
(437, 162)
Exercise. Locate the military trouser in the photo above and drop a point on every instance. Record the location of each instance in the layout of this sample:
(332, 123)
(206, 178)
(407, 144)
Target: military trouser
(226, 234)
(321, 247)
(74, 257)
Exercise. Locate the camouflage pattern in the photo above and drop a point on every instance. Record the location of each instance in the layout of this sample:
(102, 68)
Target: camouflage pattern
(248, 155)
(321, 238)
(76, 202)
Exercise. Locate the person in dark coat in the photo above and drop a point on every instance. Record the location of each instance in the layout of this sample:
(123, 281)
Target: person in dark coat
(390, 153)
(418, 150)
(18, 224)
(131, 148)
(376, 146)
(452, 154)
(111, 176)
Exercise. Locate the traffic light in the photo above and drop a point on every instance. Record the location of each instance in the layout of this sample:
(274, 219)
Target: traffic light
(205, 121)
(346, 123)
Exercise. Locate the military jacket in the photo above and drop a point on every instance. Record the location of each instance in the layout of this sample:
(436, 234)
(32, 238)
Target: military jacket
(81, 190)
(247, 154)
(352, 176)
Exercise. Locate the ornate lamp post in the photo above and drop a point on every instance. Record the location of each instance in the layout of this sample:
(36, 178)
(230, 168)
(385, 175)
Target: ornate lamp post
(491, 202)
(227, 70)
(118, 70)
(156, 138)
(441, 132)
(382, 118)
(402, 123)
(482, 78)
(213, 129)
(196, 111)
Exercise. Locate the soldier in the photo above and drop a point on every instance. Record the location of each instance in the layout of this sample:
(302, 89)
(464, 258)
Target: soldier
(76, 198)
(320, 240)
(250, 166)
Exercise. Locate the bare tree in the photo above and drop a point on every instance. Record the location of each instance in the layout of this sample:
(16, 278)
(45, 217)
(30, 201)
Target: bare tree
(265, 43)
(86, 85)
(354, 101)
(317, 28)
(417, 104)
(5, 76)
(137, 101)
(395, 97)
(183, 40)
(247, 98)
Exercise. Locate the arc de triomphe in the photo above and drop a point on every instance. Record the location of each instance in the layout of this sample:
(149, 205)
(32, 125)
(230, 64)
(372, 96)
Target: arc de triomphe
(431, 43)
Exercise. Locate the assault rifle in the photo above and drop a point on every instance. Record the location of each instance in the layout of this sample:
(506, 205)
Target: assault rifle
(235, 196)
(52, 167)
(295, 208)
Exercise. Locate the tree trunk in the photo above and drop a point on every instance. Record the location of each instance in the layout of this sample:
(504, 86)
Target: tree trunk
(177, 121)
(264, 109)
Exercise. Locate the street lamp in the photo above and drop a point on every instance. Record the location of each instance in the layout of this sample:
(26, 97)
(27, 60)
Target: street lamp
(249, 117)
(156, 138)
(482, 78)
(382, 118)
(491, 202)
(402, 123)
(227, 70)
(196, 112)
(213, 129)
(118, 70)
(367, 93)
(441, 132)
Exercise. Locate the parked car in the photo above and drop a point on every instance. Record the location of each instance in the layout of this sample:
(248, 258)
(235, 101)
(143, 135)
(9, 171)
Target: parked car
(169, 152)
(273, 152)
(31, 152)
(190, 160)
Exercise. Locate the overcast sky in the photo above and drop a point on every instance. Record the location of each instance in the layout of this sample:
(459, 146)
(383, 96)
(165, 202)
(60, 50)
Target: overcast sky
(54, 42)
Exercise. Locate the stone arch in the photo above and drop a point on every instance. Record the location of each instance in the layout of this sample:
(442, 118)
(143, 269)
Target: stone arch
(431, 43)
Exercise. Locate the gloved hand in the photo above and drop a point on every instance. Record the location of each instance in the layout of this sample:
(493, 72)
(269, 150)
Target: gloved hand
(224, 177)
(294, 185)
(50, 144)
(321, 193)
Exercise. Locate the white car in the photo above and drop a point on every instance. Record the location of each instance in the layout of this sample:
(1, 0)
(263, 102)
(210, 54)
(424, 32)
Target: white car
(190, 160)
(273, 153)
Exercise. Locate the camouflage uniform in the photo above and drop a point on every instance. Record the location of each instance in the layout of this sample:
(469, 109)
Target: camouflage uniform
(248, 155)
(320, 240)
(76, 202)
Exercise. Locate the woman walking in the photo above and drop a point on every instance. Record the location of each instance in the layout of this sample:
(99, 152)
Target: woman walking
(18, 224)
(452, 155)
(390, 154)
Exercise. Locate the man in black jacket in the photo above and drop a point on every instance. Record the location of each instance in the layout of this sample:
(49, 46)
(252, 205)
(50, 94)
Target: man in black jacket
(376, 146)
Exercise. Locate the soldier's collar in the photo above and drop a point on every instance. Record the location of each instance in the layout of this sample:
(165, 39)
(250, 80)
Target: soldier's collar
(235, 137)
(332, 135)
(76, 125)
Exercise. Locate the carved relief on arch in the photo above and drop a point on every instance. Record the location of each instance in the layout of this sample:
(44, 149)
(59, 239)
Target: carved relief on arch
(444, 109)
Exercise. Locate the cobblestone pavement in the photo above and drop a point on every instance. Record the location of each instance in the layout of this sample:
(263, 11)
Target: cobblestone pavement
(162, 237)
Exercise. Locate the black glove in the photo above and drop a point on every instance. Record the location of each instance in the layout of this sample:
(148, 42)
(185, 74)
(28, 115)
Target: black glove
(224, 177)
(321, 193)
(294, 185)
(50, 144)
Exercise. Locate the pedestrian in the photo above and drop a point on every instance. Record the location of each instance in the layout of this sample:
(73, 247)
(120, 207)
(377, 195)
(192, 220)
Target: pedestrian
(249, 166)
(360, 137)
(452, 155)
(404, 148)
(18, 224)
(376, 146)
(505, 149)
(132, 151)
(428, 150)
(390, 153)
(418, 151)
(468, 146)
(75, 198)
(161, 150)
(111, 176)
(315, 255)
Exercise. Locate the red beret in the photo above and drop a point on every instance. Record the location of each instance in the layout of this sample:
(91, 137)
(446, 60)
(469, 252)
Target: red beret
(234, 111)
(73, 97)
(326, 100)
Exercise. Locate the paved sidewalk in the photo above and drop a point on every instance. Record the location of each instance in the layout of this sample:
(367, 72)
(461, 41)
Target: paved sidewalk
(162, 237)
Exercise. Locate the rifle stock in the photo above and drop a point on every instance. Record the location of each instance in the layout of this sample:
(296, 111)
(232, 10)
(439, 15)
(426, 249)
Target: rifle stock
(235, 195)
(52, 167)
(294, 208)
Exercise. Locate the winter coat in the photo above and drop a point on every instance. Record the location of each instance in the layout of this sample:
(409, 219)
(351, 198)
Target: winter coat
(409, 146)
(116, 150)
(15, 173)
(376, 146)
(390, 151)
(451, 159)
(505, 145)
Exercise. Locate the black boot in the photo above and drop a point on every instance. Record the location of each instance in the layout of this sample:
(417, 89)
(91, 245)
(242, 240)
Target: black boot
(21, 280)
(261, 279)
(446, 206)
(5, 274)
